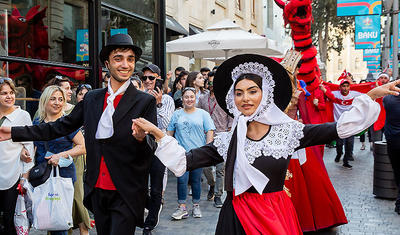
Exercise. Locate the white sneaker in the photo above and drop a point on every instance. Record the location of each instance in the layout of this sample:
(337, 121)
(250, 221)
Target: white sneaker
(196, 211)
(180, 213)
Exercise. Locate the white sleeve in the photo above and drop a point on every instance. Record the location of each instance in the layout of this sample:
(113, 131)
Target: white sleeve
(362, 115)
(172, 155)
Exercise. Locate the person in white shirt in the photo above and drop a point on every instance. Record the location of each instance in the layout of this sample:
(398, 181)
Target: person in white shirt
(11, 166)
(342, 101)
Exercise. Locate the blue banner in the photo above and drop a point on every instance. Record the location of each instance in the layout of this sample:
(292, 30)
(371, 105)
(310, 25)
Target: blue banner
(119, 31)
(368, 32)
(82, 45)
(358, 7)
(372, 54)
(373, 64)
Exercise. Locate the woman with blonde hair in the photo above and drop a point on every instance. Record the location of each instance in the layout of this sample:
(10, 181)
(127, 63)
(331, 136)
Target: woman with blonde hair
(11, 166)
(58, 152)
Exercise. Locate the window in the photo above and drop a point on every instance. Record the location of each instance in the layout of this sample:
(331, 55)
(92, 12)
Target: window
(270, 14)
(238, 5)
(140, 31)
(142, 7)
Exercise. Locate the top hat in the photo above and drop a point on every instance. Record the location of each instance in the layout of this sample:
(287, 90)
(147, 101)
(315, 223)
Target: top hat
(223, 79)
(116, 41)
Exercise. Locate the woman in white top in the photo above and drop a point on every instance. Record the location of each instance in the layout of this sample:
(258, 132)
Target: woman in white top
(11, 167)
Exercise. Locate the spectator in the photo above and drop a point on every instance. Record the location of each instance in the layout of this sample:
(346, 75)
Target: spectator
(82, 90)
(192, 128)
(25, 81)
(137, 83)
(392, 134)
(223, 123)
(11, 166)
(196, 80)
(64, 83)
(179, 84)
(105, 78)
(51, 106)
(165, 108)
(177, 71)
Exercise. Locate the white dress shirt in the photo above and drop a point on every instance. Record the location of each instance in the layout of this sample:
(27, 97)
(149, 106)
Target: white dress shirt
(11, 166)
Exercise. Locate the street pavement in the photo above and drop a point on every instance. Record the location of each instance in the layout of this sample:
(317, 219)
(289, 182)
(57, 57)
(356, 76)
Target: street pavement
(366, 213)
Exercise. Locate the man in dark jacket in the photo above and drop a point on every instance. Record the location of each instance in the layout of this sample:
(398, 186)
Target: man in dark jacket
(118, 163)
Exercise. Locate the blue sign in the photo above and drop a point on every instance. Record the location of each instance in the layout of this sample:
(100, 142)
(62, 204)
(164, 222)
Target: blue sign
(82, 45)
(358, 7)
(368, 32)
(373, 64)
(119, 31)
(372, 54)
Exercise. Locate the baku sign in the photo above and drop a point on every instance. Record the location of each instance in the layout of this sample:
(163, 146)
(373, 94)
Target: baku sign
(368, 32)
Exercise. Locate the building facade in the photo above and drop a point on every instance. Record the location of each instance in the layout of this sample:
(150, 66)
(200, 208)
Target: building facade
(42, 38)
(196, 15)
(349, 59)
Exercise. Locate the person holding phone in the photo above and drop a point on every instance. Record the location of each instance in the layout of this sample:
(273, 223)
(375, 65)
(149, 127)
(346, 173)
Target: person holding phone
(153, 83)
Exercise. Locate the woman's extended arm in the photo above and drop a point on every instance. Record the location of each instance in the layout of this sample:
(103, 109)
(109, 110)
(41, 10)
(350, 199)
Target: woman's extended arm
(78, 149)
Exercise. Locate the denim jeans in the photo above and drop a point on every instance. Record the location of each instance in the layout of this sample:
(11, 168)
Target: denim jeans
(195, 182)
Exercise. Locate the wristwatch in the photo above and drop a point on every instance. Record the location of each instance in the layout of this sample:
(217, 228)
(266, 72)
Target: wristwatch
(159, 105)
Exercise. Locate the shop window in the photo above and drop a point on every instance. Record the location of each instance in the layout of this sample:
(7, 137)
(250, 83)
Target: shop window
(30, 31)
(140, 31)
(146, 8)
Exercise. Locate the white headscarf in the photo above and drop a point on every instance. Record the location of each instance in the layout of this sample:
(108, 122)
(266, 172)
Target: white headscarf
(245, 175)
(105, 128)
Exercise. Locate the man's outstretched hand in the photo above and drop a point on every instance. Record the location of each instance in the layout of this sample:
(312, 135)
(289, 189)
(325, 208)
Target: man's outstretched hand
(5, 133)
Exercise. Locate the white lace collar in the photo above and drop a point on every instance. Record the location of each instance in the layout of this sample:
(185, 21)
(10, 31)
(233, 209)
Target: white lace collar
(280, 142)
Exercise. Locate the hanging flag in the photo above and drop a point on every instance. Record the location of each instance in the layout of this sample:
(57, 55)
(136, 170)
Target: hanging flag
(82, 45)
(357, 7)
(372, 54)
(368, 32)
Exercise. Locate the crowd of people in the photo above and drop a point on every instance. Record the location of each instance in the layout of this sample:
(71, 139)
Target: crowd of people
(230, 123)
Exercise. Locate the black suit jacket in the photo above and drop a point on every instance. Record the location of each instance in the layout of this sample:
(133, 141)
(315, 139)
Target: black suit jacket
(127, 160)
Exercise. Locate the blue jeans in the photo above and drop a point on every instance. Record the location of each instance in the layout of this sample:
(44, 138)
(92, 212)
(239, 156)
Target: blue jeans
(195, 183)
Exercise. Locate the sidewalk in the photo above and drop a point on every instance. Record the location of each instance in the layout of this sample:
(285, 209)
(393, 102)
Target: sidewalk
(366, 214)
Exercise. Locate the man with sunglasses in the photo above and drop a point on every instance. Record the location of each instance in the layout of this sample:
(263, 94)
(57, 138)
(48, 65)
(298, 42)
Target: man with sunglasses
(222, 122)
(118, 161)
(152, 83)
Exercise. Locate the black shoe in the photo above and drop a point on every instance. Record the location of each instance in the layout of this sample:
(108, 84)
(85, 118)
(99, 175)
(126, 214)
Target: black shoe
(347, 165)
(210, 194)
(397, 209)
(147, 231)
(337, 158)
(217, 202)
(351, 158)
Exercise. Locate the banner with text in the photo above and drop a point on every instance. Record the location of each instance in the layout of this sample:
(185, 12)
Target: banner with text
(82, 45)
(372, 54)
(368, 32)
(358, 7)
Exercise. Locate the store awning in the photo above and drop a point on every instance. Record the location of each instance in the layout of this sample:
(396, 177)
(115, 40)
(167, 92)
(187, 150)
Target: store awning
(175, 28)
(194, 30)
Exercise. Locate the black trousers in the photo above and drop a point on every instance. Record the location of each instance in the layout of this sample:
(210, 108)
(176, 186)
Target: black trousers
(393, 147)
(153, 204)
(348, 148)
(8, 199)
(111, 213)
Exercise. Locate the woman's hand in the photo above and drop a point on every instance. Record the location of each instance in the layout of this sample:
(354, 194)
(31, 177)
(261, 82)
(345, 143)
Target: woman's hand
(387, 89)
(53, 159)
(5, 133)
(141, 127)
(25, 156)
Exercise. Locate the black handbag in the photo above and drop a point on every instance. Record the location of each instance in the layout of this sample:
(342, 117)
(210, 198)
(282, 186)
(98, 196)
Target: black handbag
(39, 174)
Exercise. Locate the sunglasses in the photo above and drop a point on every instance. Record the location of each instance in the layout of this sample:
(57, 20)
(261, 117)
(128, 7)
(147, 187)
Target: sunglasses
(144, 78)
(87, 86)
(189, 89)
(2, 80)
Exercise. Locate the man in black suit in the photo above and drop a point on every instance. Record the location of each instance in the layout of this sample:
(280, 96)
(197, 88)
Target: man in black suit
(118, 162)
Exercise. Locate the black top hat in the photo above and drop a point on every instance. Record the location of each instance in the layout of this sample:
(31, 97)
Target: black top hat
(116, 41)
(223, 79)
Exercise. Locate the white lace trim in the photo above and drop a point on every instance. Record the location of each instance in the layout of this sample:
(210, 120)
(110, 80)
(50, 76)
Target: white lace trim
(268, 85)
(281, 142)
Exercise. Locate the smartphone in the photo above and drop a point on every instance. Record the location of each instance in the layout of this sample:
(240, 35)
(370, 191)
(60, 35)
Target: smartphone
(159, 84)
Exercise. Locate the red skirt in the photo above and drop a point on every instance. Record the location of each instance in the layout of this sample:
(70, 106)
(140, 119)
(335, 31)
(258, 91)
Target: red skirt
(313, 195)
(269, 213)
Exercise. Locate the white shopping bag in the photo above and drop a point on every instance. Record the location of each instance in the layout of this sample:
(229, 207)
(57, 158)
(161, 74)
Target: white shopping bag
(52, 203)
(21, 220)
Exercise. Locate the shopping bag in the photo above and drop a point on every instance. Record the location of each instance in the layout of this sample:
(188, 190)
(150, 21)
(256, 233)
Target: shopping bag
(21, 220)
(52, 203)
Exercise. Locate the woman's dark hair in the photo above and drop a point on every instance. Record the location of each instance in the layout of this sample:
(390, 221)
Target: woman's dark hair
(56, 80)
(178, 79)
(250, 76)
(190, 80)
(81, 87)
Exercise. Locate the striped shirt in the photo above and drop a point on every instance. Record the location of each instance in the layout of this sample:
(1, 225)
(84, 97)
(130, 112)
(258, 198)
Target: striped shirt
(164, 113)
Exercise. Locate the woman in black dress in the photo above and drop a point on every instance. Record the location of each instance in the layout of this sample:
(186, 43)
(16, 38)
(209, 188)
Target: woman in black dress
(255, 90)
